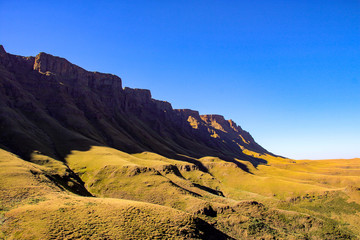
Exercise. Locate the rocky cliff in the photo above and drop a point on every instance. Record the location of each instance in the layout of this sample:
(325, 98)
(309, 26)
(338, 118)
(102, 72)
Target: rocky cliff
(139, 169)
(53, 106)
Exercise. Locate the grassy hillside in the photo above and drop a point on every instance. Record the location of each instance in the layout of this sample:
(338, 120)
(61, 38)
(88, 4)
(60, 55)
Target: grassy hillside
(95, 160)
(34, 206)
(279, 190)
(145, 195)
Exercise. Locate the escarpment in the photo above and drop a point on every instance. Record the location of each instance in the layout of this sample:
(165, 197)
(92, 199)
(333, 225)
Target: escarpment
(98, 160)
(53, 106)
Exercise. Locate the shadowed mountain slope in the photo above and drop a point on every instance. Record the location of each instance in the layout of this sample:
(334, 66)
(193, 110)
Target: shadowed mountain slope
(53, 106)
(95, 160)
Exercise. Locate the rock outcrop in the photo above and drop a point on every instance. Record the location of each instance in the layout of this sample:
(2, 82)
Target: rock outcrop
(51, 105)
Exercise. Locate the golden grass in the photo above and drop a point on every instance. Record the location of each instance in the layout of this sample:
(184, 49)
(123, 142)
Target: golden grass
(285, 199)
(33, 207)
(75, 217)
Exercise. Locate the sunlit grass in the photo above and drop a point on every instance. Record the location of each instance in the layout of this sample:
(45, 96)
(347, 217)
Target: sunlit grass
(146, 195)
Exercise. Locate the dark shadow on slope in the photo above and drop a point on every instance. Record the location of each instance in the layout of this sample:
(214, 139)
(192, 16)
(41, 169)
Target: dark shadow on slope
(25, 143)
(209, 232)
(174, 169)
(184, 189)
(62, 183)
(210, 190)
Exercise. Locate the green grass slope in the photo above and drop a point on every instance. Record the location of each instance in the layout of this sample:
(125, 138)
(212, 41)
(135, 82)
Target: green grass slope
(34, 206)
(259, 204)
(145, 196)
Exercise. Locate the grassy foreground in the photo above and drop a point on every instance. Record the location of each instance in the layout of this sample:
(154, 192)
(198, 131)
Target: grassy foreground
(104, 193)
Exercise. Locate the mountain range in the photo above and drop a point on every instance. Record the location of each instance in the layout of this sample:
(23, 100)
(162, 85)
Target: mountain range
(84, 157)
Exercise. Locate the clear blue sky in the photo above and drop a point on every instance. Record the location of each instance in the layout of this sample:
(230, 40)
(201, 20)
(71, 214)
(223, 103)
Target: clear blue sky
(286, 71)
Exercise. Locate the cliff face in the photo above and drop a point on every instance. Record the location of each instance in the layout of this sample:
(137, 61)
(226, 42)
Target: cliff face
(51, 105)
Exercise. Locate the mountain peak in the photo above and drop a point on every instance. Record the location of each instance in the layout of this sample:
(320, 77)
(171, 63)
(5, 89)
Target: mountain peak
(45, 62)
(74, 74)
(2, 50)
